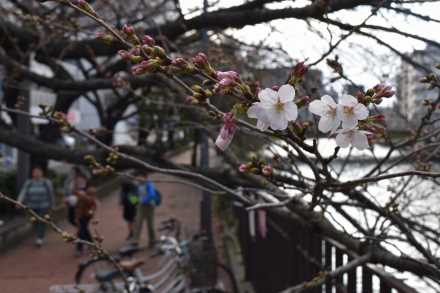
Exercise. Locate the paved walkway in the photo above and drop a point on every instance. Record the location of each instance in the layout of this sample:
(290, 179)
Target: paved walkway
(27, 269)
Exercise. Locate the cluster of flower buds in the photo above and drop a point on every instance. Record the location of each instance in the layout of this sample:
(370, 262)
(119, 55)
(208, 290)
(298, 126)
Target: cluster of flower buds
(430, 79)
(67, 237)
(298, 73)
(98, 168)
(145, 56)
(256, 167)
(227, 132)
(376, 94)
(201, 62)
(113, 156)
(61, 119)
(199, 95)
(181, 65)
(226, 81)
(145, 66)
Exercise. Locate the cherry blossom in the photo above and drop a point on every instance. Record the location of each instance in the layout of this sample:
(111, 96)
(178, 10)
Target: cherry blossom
(275, 109)
(350, 111)
(327, 109)
(227, 132)
(355, 137)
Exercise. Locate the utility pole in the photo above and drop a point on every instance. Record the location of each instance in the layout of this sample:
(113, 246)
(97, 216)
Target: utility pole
(24, 126)
(206, 203)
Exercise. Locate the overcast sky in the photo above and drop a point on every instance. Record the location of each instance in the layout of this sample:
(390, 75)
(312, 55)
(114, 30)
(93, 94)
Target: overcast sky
(366, 62)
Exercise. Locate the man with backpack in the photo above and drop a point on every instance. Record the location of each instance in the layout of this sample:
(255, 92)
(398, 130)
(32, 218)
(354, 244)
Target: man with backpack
(149, 199)
(37, 194)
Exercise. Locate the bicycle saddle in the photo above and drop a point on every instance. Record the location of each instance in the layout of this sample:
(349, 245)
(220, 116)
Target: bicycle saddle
(129, 250)
(130, 265)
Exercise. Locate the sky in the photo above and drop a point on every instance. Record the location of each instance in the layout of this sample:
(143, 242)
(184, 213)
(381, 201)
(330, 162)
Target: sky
(365, 61)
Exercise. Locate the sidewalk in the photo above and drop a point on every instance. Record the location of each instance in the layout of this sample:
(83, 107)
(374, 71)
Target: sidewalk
(27, 269)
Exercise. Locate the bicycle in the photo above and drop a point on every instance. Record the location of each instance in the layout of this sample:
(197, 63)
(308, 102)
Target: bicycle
(172, 277)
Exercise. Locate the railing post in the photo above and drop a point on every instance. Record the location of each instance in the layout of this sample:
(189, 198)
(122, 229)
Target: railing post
(328, 264)
(367, 280)
(384, 288)
(352, 278)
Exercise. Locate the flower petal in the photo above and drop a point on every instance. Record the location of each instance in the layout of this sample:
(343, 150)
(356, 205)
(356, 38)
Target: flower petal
(291, 111)
(276, 119)
(268, 95)
(255, 110)
(317, 107)
(286, 93)
(328, 100)
(262, 125)
(348, 100)
(361, 111)
(343, 139)
(349, 122)
(360, 140)
(327, 123)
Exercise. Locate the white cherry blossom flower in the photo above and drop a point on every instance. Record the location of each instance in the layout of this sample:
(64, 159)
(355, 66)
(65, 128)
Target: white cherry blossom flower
(350, 111)
(275, 109)
(326, 108)
(355, 137)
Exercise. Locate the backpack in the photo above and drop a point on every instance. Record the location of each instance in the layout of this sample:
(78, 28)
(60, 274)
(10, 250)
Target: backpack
(156, 197)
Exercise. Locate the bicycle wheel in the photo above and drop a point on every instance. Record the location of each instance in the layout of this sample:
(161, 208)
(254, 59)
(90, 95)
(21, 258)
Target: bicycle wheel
(226, 280)
(97, 275)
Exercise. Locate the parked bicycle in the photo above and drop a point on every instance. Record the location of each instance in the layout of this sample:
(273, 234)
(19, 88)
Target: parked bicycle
(99, 274)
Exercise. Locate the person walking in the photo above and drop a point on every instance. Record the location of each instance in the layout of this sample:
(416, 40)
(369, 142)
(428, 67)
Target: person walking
(76, 181)
(85, 210)
(149, 199)
(37, 194)
(129, 201)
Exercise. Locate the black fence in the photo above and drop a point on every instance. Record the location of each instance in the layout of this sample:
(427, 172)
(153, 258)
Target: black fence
(290, 255)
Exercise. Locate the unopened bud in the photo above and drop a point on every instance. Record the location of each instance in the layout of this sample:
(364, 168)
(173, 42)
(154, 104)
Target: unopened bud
(200, 60)
(148, 40)
(267, 170)
(128, 29)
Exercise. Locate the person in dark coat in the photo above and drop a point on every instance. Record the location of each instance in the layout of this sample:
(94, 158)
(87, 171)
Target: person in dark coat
(84, 212)
(129, 201)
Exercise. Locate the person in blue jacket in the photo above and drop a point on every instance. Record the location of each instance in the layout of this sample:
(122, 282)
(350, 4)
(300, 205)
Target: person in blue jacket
(149, 199)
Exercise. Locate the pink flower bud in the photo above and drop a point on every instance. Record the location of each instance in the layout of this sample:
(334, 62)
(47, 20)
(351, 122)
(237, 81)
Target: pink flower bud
(135, 51)
(128, 29)
(300, 69)
(124, 55)
(227, 75)
(191, 100)
(378, 118)
(200, 60)
(225, 82)
(179, 62)
(267, 170)
(227, 132)
(148, 40)
(144, 67)
(383, 91)
(243, 168)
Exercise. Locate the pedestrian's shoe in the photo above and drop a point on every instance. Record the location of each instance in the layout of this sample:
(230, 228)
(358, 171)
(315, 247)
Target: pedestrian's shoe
(38, 242)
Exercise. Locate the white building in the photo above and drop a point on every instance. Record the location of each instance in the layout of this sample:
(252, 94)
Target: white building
(411, 92)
